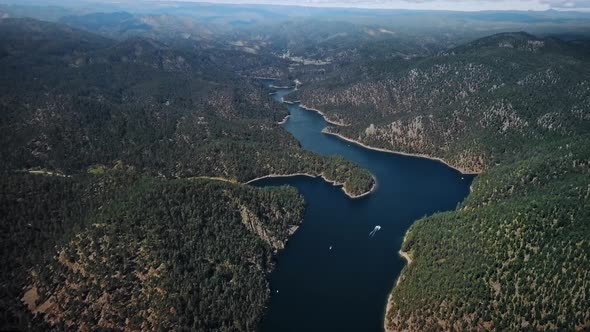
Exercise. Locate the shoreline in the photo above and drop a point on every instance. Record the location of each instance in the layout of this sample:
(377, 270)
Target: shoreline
(272, 86)
(387, 309)
(407, 154)
(336, 123)
(265, 78)
(405, 256)
(282, 122)
(418, 155)
(332, 182)
(48, 173)
(352, 196)
(408, 259)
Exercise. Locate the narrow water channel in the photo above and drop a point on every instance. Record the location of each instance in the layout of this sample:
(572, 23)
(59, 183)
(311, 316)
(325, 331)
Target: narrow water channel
(333, 276)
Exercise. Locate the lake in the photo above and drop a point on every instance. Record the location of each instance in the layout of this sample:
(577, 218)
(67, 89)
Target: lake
(334, 276)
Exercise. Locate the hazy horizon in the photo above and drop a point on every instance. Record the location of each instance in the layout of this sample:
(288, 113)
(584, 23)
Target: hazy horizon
(419, 5)
(441, 5)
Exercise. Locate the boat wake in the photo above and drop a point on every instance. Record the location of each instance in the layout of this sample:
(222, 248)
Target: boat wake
(377, 228)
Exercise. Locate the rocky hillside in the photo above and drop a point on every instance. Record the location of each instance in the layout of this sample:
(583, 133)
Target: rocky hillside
(124, 252)
(516, 108)
(472, 106)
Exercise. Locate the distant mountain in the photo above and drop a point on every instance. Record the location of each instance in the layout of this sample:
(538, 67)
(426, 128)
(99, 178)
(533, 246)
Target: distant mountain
(33, 38)
(525, 42)
(123, 25)
(115, 23)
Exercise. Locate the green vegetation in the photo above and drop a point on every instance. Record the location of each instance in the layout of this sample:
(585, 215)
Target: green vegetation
(141, 105)
(514, 256)
(121, 251)
(356, 181)
(101, 225)
(473, 105)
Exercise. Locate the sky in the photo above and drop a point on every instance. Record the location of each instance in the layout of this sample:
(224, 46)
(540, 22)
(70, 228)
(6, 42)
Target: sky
(460, 5)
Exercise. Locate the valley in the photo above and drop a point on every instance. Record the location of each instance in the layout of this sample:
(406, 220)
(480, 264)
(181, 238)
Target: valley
(224, 167)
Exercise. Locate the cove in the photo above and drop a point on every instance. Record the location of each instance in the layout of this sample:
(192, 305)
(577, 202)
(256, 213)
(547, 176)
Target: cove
(345, 288)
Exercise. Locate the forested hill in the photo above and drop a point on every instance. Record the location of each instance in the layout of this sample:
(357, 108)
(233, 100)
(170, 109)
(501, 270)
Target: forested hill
(514, 256)
(475, 106)
(104, 223)
(72, 100)
(118, 251)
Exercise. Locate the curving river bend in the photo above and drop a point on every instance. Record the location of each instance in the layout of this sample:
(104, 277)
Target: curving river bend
(345, 288)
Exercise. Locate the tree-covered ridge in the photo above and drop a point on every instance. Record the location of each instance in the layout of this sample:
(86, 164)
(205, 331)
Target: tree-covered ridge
(514, 256)
(120, 251)
(143, 105)
(471, 105)
(116, 232)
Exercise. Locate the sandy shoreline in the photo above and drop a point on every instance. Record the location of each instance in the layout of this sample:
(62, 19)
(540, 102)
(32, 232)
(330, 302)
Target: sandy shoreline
(418, 155)
(387, 308)
(336, 123)
(408, 259)
(266, 78)
(282, 122)
(334, 183)
(272, 86)
(405, 256)
(50, 173)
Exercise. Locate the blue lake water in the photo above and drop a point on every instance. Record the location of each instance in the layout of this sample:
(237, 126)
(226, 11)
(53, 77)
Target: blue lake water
(315, 288)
